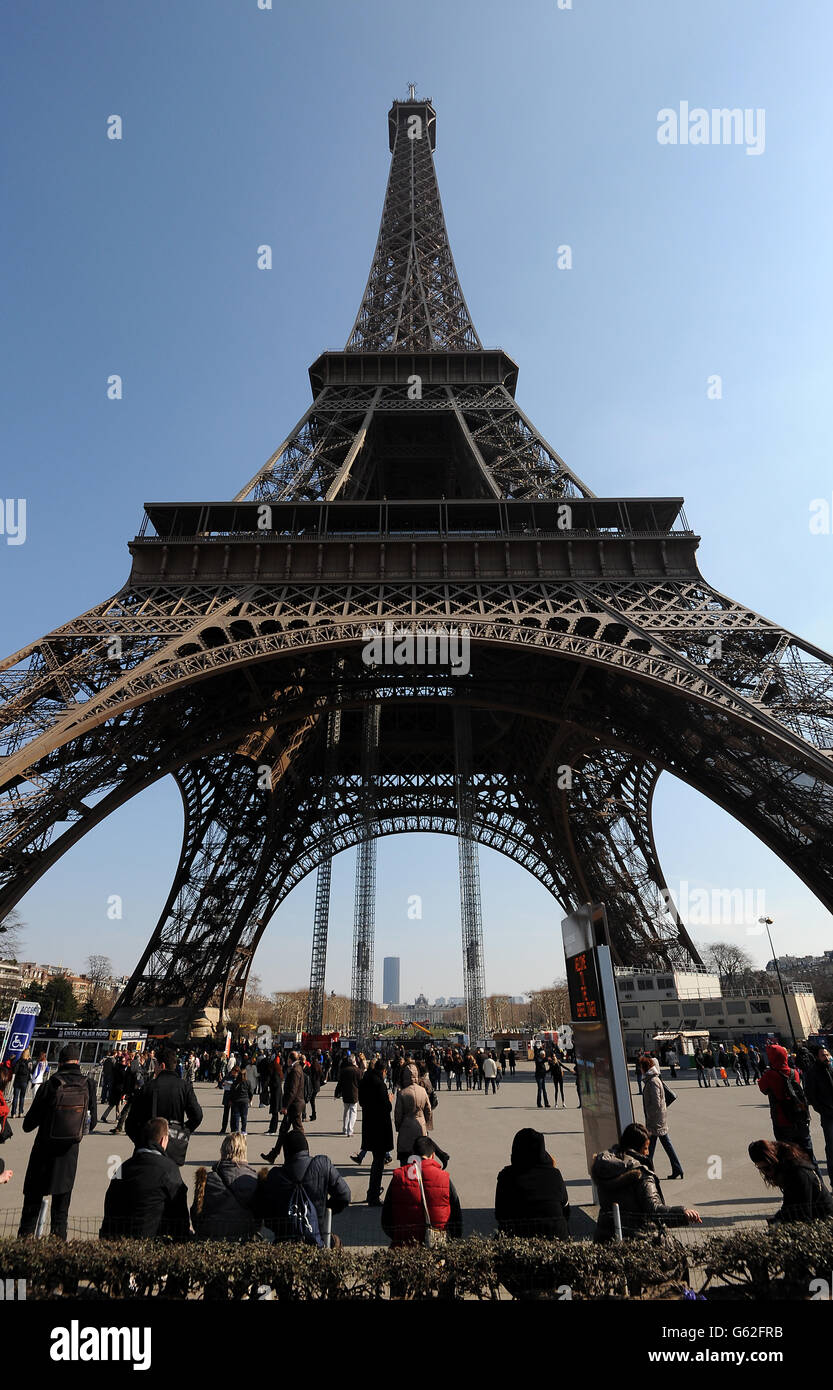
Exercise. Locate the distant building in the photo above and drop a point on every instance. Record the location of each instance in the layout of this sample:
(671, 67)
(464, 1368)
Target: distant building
(673, 1001)
(390, 980)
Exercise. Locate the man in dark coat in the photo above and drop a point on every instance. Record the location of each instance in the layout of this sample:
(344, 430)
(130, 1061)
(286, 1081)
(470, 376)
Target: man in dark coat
(320, 1180)
(819, 1089)
(147, 1196)
(316, 1077)
(292, 1107)
(58, 1113)
(377, 1129)
(167, 1096)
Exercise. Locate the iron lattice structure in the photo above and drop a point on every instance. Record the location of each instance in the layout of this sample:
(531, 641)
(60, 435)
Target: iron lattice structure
(323, 882)
(414, 492)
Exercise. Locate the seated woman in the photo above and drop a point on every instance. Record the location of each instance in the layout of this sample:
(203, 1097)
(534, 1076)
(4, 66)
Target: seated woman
(223, 1198)
(531, 1198)
(790, 1168)
(624, 1177)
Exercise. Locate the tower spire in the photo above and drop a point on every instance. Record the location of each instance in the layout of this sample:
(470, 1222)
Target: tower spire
(413, 301)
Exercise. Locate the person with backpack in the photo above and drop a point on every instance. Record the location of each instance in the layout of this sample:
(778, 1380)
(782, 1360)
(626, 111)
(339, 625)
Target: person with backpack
(59, 1114)
(788, 1106)
(292, 1200)
(170, 1098)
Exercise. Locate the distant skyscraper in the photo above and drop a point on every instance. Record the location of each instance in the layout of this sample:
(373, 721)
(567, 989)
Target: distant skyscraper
(390, 980)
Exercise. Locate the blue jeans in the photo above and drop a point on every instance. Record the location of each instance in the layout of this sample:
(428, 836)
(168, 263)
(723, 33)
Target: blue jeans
(239, 1116)
(676, 1165)
(18, 1096)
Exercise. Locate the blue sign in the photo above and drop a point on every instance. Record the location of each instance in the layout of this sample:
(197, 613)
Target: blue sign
(22, 1027)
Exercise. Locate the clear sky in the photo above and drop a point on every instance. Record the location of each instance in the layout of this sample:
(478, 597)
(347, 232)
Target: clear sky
(244, 126)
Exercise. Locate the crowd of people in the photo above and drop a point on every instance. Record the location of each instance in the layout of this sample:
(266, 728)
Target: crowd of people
(153, 1099)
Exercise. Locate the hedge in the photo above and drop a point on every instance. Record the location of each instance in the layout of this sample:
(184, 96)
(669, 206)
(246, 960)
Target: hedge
(778, 1263)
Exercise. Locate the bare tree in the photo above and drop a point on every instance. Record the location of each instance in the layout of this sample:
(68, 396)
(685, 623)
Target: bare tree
(549, 1008)
(11, 936)
(732, 963)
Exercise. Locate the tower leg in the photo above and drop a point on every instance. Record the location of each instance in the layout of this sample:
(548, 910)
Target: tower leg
(470, 909)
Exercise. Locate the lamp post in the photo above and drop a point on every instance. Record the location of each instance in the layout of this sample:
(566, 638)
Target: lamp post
(768, 922)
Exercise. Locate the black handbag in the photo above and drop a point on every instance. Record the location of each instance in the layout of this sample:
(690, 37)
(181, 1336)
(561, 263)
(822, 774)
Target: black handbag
(670, 1096)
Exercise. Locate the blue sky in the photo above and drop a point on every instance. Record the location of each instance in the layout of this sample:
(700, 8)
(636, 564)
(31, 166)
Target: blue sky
(245, 126)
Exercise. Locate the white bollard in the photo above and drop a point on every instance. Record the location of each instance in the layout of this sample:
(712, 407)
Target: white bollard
(42, 1215)
(617, 1222)
(328, 1229)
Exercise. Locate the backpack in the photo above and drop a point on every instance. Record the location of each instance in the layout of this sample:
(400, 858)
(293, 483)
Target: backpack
(794, 1101)
(69, 1111)
(299, 1221)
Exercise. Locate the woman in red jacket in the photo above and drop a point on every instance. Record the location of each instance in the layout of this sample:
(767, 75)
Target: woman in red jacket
(403, 1210)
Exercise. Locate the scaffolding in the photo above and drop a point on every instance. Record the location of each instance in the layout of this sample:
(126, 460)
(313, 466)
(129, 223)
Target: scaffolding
(364, 908)
(323, 879)
(474, 986)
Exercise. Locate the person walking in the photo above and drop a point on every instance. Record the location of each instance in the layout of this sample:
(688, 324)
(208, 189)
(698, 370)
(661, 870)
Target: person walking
(638, 1072)
(292, 1105)
(118, 1081)
(168, 1097)
(530, 1196)
(22, 1074)
(315, 1075)
(107, 1077)
(490, 1074)
(624, 1177)
(275, 1085)
(377, 1129)
(412, 1115)
(510, 1057)
(654, 1104)
(557, 1073)
(347, 1091)
(147, 1197)
(788, 1167)
(755, 1062)
(819, 1092)
(59, 1114)
(541, 1070)
(723, 1064)
(40, 1072)
(788, 1106)
(743, 1064)
(708, 1065)
(700, 1067)
(240, 1098)
(672, 1062)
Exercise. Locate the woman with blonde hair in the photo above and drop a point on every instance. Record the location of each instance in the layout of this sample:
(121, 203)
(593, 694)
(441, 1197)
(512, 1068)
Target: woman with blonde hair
(223, 1197)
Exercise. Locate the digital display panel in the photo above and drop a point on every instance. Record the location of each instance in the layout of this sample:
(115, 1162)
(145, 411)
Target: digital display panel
(583, 988)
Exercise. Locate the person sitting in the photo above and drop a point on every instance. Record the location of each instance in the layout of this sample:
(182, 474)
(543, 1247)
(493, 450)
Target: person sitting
(790, 1168)
(292, 1200)
(223, 1206)
(530, 1197)
(623, 1176)
(418, 1183)
(147, 1196)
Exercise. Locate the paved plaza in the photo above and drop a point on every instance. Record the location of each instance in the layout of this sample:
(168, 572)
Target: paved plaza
(710, 1130)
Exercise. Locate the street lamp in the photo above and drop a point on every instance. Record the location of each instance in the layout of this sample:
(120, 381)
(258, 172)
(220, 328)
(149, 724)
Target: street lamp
(768, 922)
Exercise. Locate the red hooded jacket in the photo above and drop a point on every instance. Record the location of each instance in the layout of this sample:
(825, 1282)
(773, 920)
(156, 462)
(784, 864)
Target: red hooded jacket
(772, 1085)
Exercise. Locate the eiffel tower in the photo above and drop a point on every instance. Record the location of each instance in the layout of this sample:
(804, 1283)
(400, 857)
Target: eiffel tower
(414, 492)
